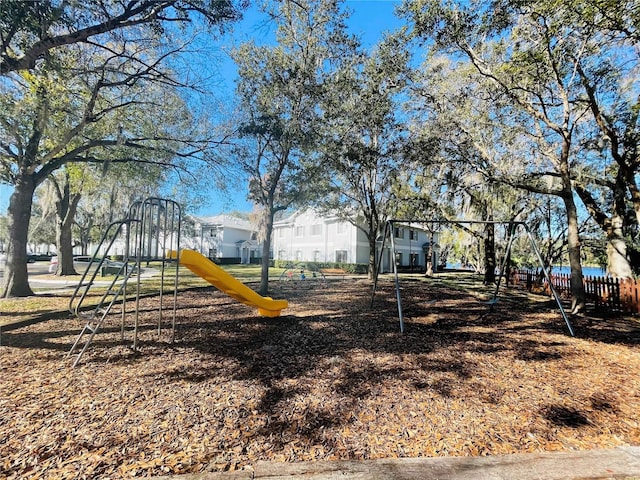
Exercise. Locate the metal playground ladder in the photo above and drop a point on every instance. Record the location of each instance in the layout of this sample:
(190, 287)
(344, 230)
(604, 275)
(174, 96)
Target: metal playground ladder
(150, 230)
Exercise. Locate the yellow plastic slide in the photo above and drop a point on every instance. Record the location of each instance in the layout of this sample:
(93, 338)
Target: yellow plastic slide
(216, 276)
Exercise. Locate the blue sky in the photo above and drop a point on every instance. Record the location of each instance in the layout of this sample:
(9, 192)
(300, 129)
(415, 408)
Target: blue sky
(369, 19)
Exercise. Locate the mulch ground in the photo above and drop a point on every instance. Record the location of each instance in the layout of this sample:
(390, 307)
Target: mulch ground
(331, 379)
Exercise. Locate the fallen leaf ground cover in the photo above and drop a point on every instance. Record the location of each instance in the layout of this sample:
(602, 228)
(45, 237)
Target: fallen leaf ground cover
(331, 379)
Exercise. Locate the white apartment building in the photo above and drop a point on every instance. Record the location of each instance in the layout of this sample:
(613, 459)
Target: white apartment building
(307, 237)
(226, 237)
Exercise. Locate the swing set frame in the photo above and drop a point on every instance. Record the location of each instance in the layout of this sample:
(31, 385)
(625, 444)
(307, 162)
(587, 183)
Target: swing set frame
(512, 228)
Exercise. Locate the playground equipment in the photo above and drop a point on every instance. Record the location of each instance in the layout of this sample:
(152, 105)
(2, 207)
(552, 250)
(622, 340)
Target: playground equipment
(301, 274)
(511, 229)
(151, 228)
(227, 283)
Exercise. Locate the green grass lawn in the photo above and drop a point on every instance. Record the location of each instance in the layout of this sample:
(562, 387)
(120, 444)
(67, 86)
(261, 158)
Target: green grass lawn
(251, 273)
(51, 300)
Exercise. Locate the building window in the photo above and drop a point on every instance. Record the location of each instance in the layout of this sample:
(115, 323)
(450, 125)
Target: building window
(341, 227)
(316, 229)
(414, 259)
(213, 253)
(298, 255)
(300, 231)
(254, 236)
(342, 256)
(281, 233)
(399, 258)
(398, 232)
(413, 235)
(282, 255)
(316, 256)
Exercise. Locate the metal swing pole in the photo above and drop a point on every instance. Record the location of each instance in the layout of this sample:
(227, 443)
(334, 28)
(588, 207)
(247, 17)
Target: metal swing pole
(161, 220)
(176, 206)
(548, 278)
(144, 218)
(389, 229)
(397, 280)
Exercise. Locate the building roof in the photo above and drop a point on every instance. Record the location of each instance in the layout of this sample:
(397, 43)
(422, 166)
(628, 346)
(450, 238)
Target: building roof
(247, 243)
(288, 216)
(223, 221)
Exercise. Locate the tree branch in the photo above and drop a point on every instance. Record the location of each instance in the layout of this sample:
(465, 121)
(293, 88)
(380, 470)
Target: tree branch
(134, 13)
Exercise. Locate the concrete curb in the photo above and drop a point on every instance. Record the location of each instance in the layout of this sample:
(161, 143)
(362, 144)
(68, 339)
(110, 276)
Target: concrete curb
(621, 463)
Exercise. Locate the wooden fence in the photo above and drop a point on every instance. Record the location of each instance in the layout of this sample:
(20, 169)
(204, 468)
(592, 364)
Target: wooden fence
(605, 293)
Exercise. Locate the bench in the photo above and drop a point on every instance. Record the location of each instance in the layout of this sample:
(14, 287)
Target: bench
(333, 272)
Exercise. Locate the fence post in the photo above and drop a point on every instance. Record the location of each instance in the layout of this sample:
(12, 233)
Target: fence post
(610, 293)
(598, 292)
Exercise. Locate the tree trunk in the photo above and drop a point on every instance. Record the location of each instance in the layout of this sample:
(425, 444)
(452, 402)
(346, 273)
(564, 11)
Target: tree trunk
(15, 282)
(371, 234)
(573, 246)
(618, 265)
(66, 206)
(629, 175)
(489, 254)
(84, 232)
(371, 271)
(429, 260)
(266, 250)
(64, 246)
